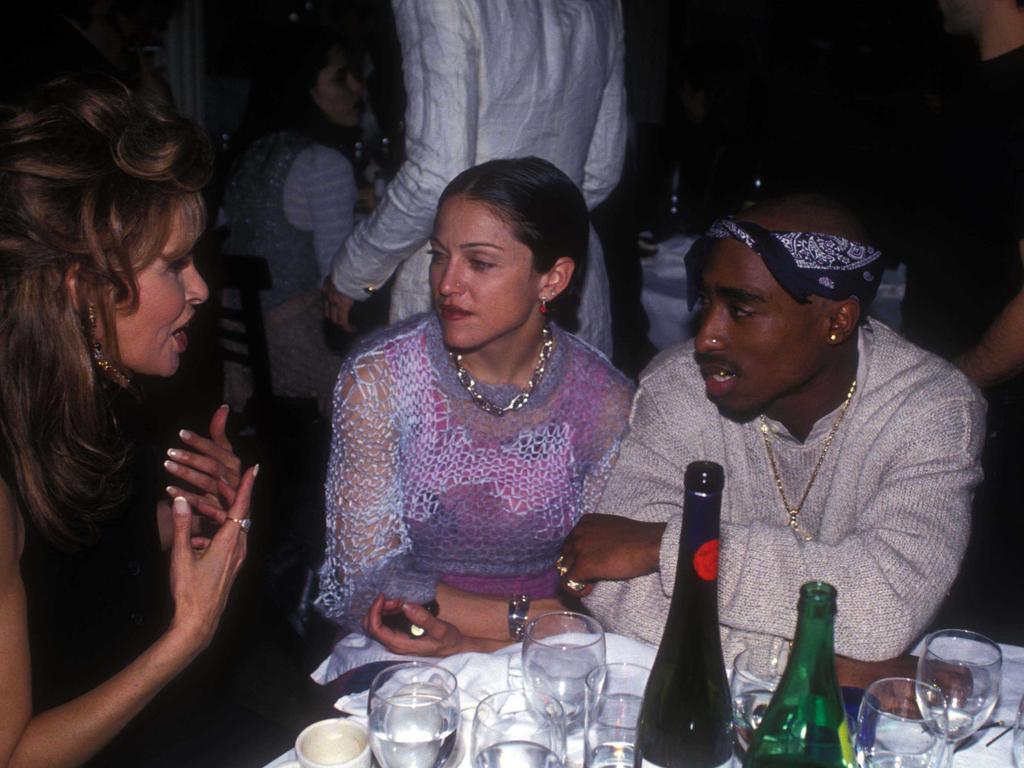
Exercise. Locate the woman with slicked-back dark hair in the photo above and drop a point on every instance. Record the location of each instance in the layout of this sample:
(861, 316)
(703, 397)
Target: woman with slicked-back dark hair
(469, 441)
(99, 212)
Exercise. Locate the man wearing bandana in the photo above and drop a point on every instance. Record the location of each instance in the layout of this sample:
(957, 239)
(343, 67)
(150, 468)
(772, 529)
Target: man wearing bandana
(850, 455)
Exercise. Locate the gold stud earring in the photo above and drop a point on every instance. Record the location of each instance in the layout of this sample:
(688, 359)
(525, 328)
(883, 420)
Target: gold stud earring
(833, 337)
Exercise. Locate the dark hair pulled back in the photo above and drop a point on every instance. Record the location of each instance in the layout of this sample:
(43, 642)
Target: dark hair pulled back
(545, 211)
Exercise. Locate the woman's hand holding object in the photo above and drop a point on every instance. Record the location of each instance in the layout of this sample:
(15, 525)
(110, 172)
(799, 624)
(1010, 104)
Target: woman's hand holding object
(439, 638)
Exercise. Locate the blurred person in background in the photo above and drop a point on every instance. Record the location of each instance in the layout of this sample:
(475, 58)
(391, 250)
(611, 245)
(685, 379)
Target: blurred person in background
(290, 198)
(965, 289)
(971, 268)
(997, 119)
(57, 37)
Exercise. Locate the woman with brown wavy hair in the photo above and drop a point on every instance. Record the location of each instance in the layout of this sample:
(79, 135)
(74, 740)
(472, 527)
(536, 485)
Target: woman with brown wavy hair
(99, 211)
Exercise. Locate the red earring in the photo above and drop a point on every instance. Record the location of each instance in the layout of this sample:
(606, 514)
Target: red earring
(543, 306)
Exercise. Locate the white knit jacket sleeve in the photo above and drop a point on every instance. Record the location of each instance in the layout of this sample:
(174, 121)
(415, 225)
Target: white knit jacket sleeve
(608, 144)
(439, 65)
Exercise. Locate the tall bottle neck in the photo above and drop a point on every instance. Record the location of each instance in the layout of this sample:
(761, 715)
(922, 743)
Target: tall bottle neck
(698, 539)
(815, 625)
(700, 519)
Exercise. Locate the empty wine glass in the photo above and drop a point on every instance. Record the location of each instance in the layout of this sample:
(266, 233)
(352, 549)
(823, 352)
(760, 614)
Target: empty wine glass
(966, 667)
(892, 727)
(519, 729)
(559, 650)
(414, 715)
(754, 679)
(1018, 736)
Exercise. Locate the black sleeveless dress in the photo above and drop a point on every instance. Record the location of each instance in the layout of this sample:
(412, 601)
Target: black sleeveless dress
(93, 611)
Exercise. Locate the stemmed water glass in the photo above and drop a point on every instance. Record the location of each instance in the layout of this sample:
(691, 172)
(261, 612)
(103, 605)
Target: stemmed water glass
(966, 667)
(518, 729)
(414, 715)
(615, 694)
(754, 679)
(892, 727)
(1018, 736)
(559, 650)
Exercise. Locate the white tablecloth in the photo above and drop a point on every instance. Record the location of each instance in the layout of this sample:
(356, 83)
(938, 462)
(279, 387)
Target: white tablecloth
(480, 674)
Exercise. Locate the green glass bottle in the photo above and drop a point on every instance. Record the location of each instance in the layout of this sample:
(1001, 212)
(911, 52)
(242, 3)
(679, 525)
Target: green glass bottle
(686, 717)
(805, 723)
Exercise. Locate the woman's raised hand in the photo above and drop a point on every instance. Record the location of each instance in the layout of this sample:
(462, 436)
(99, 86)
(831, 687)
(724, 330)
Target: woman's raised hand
(202, 579)
(211, 466)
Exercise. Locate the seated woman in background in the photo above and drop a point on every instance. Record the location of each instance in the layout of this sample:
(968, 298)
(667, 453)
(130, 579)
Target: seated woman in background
(99, 211)
(468, 441)
(291, 198)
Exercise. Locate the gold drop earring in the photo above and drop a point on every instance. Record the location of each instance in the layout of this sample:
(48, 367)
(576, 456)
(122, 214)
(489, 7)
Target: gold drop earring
(104, 363)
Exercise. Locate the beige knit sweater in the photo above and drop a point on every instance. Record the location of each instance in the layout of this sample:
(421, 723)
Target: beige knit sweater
(889, 511)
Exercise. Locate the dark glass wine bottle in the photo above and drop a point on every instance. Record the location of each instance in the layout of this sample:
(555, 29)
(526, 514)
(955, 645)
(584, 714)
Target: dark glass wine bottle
(686, 717)
(805, 723)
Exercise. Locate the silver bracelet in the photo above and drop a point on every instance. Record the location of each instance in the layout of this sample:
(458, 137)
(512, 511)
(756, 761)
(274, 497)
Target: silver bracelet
(518, 610)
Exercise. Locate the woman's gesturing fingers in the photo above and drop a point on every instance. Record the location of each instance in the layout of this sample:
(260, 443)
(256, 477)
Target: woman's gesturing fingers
(209, 465)
(206, 505)
(217, 445)
(202, 576)
(236, 524)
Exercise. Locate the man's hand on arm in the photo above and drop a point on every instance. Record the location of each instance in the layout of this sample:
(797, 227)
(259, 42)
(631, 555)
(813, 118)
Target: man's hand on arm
(604, 547)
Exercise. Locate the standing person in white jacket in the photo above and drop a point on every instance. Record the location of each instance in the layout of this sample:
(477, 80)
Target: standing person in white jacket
(491, 79)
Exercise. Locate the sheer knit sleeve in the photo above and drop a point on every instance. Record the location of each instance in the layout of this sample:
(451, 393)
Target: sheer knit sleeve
(366, 539)
(597, 478)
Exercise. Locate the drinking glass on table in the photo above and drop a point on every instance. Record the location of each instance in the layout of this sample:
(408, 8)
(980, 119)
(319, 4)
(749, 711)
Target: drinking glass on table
(895, 725)
(615, 693)
(1018, 736)
(754, 679)
(559, 650)
(414, 716)
(966, 667)
(519, 729)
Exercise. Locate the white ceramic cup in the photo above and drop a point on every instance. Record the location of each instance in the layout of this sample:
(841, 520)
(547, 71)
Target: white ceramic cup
(337, 743)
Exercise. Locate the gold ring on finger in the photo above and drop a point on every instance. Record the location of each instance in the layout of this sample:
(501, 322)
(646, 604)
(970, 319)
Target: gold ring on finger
(243, 522)
(575, 586)
(560, 566)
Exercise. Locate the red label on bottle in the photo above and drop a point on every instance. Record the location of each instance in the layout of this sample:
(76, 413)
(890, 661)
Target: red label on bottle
(705, 560)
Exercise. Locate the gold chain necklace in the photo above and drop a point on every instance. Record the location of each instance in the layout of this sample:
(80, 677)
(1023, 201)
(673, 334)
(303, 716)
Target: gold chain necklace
(791, 511)
(469, 383)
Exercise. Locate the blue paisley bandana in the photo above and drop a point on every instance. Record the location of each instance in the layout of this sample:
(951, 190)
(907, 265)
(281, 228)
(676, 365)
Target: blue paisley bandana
(803, 263)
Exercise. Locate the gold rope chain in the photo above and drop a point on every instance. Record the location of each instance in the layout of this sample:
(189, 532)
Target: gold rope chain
(469, 383)
(791, 511)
